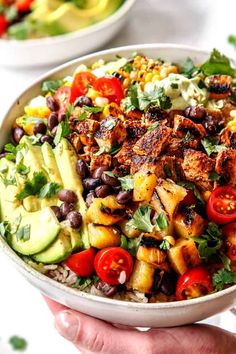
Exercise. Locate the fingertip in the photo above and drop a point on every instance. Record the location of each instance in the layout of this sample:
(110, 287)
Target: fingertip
(54, 306)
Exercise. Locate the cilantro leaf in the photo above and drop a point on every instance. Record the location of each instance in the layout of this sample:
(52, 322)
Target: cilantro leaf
(142, 219)
(165, 245)
(132, 245)
(223, 277)
(232, 40)
(225, 260)
(188, 68)
(162, 221)
(210, 242)
(83, 282)
(18, 343)
(127, 182)
(33, 186)
(152, 127)
(4, 228)
(92, 109)
(187, 137)
(114, 149)
(211, 145)
(167, 170)
(214, 176)
(109, 124)
(101, 150)
(49, 190)
(217, 64)
(110, 174)
(63, 130)
(23, 233)
(51, 85)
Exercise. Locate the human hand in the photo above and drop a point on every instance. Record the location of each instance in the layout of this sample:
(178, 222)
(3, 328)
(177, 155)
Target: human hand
(91, 335)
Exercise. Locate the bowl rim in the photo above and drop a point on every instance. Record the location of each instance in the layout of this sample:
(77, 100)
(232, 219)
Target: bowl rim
(26, 268)
(80, 33)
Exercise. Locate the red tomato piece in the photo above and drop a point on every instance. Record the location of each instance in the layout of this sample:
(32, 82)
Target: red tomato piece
(189, 199)
(110, 88)
(221, 205)
(81, 83)
(62, 96)
(3, 24)
(82, 263)
(194, 283)
(23, 5)
(229, 232)
(113, 265)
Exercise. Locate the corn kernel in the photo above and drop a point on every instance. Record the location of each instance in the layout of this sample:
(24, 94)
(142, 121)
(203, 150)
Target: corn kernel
(170, 239)
(98, 64)
(92, 93)
(156, 77)
(133, 75)
(126, 82)
(101, 101)
(80, 68)
(206, 195)
(148, 77)
(233, 113)
(40, 111)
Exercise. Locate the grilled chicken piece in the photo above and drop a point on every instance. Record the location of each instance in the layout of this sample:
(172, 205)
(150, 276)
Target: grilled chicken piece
(75, 141)
(124, 156)
(111, 132)
(176, 146)
(228, 138)
(156, 114)
(100, 160)
(183, 126)
(197, 166)
(86, 130)
(146, 163)
(169, 167)
(226, 165)
(153, 142)
(149, 251)
(135, 129)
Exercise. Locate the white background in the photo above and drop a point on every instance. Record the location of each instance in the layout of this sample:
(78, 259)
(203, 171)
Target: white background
(203, 23)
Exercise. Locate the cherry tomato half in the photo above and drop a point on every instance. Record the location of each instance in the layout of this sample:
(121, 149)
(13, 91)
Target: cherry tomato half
(82, 263)
(81, 83)
(23, 5)
(3, 24)
(110, 88)
(194, 283)
(229, 232)
(62, 96)
(221, 205)
(113, 265)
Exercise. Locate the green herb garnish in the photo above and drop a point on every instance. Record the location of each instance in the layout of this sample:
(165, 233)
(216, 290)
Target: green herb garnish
(142, 219)
(217, 64)
(63, 130)
(127, 182)
(93, 109)
(165, 245)
(191, 186)
(52, 85)
(188, 68)
(101, 150)
(49, 190)
(109, 124)
(214, 176)
(211, 145)
(162, 221)
(210, 242)
(23, 233)
(114, 149)
(167, 171)
(152, 127)
(186, 138)
(18, 343)
(222, 278)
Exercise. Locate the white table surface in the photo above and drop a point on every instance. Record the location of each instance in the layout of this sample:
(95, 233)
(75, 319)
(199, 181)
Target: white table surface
(203, 23)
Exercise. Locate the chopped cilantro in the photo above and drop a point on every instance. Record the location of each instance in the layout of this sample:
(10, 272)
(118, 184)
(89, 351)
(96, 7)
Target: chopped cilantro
(188, 68)
(210, 242)
(142, 219)
(23, 233)
(127, 67)
(17, 343)
(167, 171)
(152, 127)
(225, 260)
(174, 86)
(109, 124)
(114, 149)
(214, 176)
(123, 242)
(232, 40)
(162, 221)
(217, 64)
(222, 278)
(83, 282)
(49, 190)
(132, 245)
(93, 109)
(52, 85)
(63, 130)
(165, 245)
(4, 228)
(127, 182)
(110, 174)
(187, 137)
(82, 116)
(211, 145)
(33, 187)
(101, 150)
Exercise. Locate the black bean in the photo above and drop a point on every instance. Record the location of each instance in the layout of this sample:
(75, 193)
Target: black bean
(117, 75)
(75, 219)
(65, 208)
(52, 121)
(46, 138)
(18, 133)
(2, 155)
(84, 101)
(54, 131)
(52, 104)
(91, 183)
(106, 289)
(168, 283)
(111, 181)
(124, 197)
(89, 199)
(99, 171)
(57, 212)
(195, 112)
(61, 116)
(103, 191)
(40, 128)
(82, 168)
(66, 195)
(213, 125)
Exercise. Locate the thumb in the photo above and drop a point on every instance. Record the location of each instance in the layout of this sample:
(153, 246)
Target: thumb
(96, 336)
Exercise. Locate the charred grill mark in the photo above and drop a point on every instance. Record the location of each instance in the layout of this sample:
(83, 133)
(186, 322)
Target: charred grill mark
(150, 242)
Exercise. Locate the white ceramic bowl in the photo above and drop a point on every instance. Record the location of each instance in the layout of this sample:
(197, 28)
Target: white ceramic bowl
(58, 49)
(126, 313)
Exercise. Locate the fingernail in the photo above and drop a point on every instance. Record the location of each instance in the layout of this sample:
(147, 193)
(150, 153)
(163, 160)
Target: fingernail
(67, 324)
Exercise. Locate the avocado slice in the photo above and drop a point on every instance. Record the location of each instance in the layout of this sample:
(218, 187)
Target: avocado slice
(74, 235)
(51, 164)
(59, 250)
(44, 228)
(66, 159)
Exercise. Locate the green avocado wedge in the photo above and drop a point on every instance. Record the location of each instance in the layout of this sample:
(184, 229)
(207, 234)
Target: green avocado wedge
(42, 229)
(66, 161)
(59, 250)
